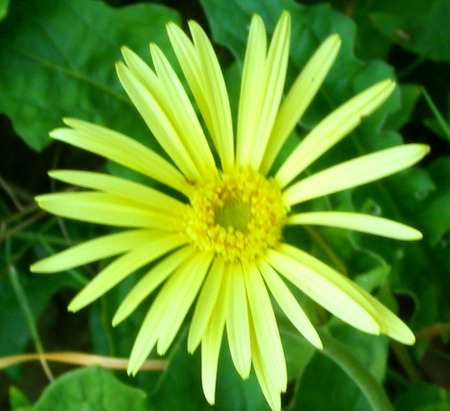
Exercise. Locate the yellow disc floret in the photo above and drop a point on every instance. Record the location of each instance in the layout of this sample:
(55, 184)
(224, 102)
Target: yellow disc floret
(237, 215)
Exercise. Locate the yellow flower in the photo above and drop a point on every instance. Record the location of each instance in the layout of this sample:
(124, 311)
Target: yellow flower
(218, 244)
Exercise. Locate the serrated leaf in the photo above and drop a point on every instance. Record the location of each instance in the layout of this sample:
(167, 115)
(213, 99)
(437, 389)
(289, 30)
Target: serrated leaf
(58, 60)
(90, 389)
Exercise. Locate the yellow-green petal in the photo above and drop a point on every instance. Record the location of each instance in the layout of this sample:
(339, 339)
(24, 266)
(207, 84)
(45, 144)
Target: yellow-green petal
(265, 326)
(157, 121)
(121, 149)
(183, 287)
(215, 92)
(358, 222)
(299, 97)
(324, 285)
(332, 129)
(205, 304)
(352, 173)
(289, 304)
(270, 391)
(121, 187)
(212, 340)
(93, 250)
(104, 208)
(150, 281)
(178, 108)
(238, 322)
(124, 266)
(251, 91)
(275, 73)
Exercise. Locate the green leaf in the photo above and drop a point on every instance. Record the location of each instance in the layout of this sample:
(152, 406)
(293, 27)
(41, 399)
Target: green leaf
(17, 399)
(419, 26)
(90, 389)
(423, 397)
(58, 59)
(4, 5)
(410, 94)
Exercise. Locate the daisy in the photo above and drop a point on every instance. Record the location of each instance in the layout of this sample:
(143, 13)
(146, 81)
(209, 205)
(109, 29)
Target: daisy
(217, 242)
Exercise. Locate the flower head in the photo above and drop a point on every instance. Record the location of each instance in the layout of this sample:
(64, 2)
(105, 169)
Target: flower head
(218, 245)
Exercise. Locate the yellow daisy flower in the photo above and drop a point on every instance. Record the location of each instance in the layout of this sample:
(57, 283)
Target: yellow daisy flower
(219, 243)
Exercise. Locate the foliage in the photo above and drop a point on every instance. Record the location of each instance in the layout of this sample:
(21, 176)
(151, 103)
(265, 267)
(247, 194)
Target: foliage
(58, 59)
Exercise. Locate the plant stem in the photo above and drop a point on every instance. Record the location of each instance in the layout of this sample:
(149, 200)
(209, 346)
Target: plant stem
(367, 383)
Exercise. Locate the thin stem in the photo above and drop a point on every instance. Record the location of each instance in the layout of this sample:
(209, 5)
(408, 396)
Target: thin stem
(439, 117)
(11, 194)
(334, 257)
(403, 357)
(367, 383)
(26, 309)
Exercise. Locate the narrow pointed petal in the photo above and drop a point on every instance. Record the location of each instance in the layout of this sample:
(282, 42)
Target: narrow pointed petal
(181, 113)
(214, 89)
(358, 222)
(157, 122)
(103, 208)
(327, 287)
(121, 187)
(275, 74)
(212, 340)
(150, 281)
(121, 149)
(265, 326)
(93, 250)
(299, 97)
(237, 322)
(270, 391)
(289, 304)
(146, 338)
(390, 324)
(250, 101)
(187, 57)
(205, 304)
(332, 129)
(353, 173)
(183, 286)
(124, 266)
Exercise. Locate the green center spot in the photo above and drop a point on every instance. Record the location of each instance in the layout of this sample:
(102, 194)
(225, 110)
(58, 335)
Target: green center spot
(234, 213)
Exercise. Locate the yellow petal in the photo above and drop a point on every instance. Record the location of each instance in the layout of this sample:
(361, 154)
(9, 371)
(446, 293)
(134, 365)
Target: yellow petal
(352, 173)
(237, 322)
(150, 281)
(182, 287)
(205, 304)
(121, 187)
(324, 285)
(121, 149)
(212, 340)
(93, 250)
(358, 222)
(299, 97)
(157, 121)
(179, 109)
(250, 99)
(103, 208)
(289, 304)
(265, 326)
(332, 129)
(275, 73)
(124, 266)
(270, 391)
(215, 92)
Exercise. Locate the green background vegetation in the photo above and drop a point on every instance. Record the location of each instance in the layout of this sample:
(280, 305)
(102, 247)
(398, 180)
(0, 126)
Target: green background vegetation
(57, 59)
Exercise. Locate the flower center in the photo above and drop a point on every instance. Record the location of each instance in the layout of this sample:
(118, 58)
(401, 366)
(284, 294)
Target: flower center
(238, 215)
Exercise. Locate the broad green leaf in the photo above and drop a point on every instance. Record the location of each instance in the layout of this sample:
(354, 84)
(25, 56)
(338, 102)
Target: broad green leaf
(410, 94)
(90, 389)
(419, 26)
(58, 60)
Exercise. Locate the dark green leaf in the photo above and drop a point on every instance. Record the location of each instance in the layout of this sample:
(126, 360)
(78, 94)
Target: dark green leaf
(90, 389)
(58, 59)
(423, 397)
